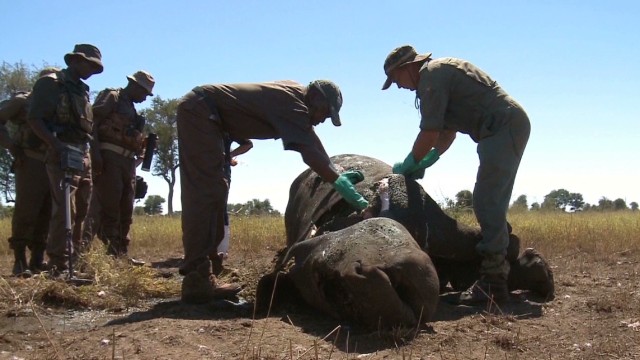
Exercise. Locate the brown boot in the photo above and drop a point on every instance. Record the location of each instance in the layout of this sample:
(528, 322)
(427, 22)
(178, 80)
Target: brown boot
(216, 263)
(224, 291)
(488, 289)
(492, 286)
(200, 286)
(196, 289)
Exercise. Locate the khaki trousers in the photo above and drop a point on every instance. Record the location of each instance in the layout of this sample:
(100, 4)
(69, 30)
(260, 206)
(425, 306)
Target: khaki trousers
(203, 186)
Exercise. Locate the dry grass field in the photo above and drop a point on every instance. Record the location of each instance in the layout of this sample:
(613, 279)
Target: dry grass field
(135, 313)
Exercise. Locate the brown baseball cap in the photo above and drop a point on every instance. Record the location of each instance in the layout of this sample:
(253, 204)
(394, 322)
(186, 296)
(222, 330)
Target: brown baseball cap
(332, 93)
(87, 52)
(400, 56)
(143, 79)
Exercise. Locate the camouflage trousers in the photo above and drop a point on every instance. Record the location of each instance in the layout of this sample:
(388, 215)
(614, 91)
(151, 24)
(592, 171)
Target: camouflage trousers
(30, 221)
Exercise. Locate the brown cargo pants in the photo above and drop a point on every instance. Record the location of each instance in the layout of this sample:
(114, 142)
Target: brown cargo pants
(113, 192)
(203, 186)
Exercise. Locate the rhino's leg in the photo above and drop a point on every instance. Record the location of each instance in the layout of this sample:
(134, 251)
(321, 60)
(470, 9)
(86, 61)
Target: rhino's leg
(404, 292)
(532, 272)
(386, 308)
(274, 290)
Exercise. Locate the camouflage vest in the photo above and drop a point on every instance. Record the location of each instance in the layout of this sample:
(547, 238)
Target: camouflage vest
(123, 127)
(73, 121)
(20, 131)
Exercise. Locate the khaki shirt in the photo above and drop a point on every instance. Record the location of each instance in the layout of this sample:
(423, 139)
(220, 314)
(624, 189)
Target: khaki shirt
(114, 101)
(457, 95)
(270, 110)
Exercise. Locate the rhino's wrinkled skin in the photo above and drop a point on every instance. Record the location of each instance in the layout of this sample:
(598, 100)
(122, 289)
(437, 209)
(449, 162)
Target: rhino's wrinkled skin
(314, 208)
(372, 273)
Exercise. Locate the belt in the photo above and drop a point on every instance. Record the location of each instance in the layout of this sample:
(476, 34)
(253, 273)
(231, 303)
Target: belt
(208, 101)
(117, 149)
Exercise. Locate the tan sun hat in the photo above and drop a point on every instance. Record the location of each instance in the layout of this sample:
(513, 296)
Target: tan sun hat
(400, 56)
(143, 79)
(87, 52)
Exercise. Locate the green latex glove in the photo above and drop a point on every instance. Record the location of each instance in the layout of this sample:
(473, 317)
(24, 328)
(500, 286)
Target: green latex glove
(429, 159)
(346, 189)
(406, 167)
(355, 176)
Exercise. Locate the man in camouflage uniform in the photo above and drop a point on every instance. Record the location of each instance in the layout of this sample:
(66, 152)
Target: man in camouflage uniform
(456, 96)
(60, 114)
(117, 143)
(30, 222)
(286, 110)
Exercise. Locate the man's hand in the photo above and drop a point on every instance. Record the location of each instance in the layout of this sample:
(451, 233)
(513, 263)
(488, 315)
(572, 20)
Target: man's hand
(406, 167)
(346, 189)
(354, 176)
(413, 170)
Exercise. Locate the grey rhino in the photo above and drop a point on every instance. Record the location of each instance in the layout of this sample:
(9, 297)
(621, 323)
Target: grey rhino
(314, 209)
(372, 273)
(313, 204)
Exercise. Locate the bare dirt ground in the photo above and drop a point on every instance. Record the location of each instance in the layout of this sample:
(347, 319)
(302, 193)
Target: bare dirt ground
(595, 315)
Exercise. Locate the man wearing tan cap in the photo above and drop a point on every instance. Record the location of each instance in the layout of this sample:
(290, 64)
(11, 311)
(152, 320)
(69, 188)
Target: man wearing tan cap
(60, 114)
(117, 143)
(286, 110)
(456, 96)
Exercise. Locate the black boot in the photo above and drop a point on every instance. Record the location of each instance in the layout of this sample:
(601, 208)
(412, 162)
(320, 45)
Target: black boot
(36, 261)
(20, 266)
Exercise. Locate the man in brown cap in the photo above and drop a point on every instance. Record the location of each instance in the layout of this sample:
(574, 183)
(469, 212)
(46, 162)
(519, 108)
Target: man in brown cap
(456, 96)
(286, 110)
(116, 146)
(30, 221)
(60, 114)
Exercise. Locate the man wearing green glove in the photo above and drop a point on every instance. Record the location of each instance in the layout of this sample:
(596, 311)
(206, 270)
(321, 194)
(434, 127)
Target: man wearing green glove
(456, 96)
(284, 109)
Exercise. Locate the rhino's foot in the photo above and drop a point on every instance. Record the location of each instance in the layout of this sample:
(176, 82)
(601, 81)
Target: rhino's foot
(532, 272)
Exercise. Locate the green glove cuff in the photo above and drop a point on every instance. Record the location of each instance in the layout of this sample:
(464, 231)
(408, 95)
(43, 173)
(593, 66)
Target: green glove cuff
(354, 176)
(429, 159)
(406, 167)
(346, 189)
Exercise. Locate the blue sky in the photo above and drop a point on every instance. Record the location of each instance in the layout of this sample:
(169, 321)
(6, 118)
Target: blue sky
(573, 65)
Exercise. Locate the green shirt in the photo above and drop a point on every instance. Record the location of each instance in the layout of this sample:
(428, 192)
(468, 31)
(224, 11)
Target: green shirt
(457, 95)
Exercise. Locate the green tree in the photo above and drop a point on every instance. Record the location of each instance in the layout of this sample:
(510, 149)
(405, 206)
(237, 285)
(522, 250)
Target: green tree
(575, 201)
(161, 119)
(633, 205)
(253, 207)
(619, 204)
(562, 199)
(153, 205)
(464, 199)
(520, 204)
(605, 204)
